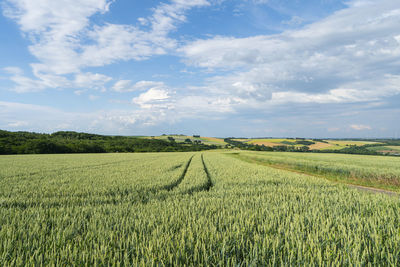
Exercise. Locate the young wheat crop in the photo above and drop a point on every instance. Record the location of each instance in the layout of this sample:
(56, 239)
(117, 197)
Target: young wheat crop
(189, 209)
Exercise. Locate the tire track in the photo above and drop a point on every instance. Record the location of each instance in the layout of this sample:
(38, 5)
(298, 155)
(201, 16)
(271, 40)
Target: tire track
(209, 183)
(204, 187)
(171, 186)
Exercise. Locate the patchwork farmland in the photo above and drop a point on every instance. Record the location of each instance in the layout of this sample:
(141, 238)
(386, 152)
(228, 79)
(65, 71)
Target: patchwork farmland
(314, 144)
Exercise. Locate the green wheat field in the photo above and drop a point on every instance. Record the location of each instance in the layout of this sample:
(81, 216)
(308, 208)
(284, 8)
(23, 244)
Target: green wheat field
(198, 208)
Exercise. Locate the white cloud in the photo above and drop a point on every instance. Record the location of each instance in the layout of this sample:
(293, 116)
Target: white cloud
(352, 92)
(63, 15)
(350, 56)
(17, 124)
(24, 84)
(38, 118)
(151, 98)
(114, 42)
(360, 127)
(65, 41)
(127, 85)
(91, 80)
(54, 28)
(13, 70)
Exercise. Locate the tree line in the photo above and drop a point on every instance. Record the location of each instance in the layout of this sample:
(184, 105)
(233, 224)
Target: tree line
(75, 142)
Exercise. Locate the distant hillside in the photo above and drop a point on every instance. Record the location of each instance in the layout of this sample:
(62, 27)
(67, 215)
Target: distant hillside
(313, 144)
(74, 142)
(357, 146)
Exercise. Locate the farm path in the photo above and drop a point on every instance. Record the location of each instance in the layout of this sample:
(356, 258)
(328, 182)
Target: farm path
(373, 190)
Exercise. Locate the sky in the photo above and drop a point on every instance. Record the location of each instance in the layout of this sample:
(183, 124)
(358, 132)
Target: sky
(244, 68)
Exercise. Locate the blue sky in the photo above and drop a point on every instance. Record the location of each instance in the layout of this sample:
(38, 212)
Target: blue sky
(252, 68)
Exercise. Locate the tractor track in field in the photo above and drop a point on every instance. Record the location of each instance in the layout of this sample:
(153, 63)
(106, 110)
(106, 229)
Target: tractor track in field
(143, 196)
(355, 186)
(207, 185)
(171, 186)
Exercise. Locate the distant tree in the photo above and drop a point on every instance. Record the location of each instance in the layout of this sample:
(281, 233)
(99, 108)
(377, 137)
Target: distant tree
(304, 149)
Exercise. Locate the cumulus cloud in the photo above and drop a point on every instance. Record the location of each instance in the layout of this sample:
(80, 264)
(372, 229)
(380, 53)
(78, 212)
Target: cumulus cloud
(151, 97)
(65, 41)
(84, 80)
(352, 55)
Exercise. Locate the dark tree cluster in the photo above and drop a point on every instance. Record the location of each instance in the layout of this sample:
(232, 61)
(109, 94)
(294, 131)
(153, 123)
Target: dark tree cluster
(74, 142)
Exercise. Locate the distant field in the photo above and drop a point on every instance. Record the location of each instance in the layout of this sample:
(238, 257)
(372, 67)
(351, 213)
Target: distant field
(386, 149)
(320, 146)
(397, 148)
(326, 145)
(198, 209)
(268, 141)
(339, 144)
(272, 142)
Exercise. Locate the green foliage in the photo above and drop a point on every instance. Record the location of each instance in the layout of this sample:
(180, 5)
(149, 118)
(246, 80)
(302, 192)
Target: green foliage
(320, 140)
(192, 209)
(288, 143)
(73, 142)
(353, 149)
(304, 142)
